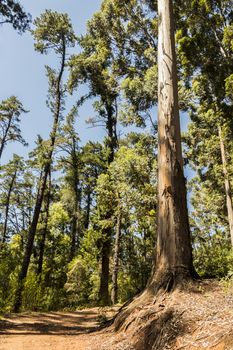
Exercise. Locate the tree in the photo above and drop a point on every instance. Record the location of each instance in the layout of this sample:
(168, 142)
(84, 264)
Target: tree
(44, 229)
(10, 113)
(227, 183)
(93, 163)
(174, 253)
(12, 12)
(95, 66)
(53, 31)
(133, 182)
(71, 191)
(207, 72)
(9, 182)
(126, 187)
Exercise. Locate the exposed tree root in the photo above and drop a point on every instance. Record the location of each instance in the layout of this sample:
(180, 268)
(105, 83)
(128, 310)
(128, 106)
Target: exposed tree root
(185, 316)
(160, 285)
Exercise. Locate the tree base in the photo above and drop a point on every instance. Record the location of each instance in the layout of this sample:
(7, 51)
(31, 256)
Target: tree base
(162, 282)
(175, 319)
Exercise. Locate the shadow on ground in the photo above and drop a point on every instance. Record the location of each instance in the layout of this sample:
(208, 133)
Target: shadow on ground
(53, 323)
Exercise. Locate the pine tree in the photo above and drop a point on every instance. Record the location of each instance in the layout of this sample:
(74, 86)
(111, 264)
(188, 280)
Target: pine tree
(53, 32)
(10, 113)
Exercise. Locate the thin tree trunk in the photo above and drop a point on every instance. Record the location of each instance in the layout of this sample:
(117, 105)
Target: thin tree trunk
(75, 220)
(174, 254)
(104, 277)
(44, 231)
(73, 234)
(227, 185)
(106, 244)
(8, 206)
(88, 210)
(114, 294)
(39, 199)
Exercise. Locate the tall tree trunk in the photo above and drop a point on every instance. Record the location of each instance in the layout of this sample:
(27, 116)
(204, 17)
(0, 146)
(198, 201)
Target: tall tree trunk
(227, 184)
(75, 226)
(88, 210)
(74, 233)
(114, 294)
(40, 195)
(45, 229)
(106, 244)
(104, 277)
(77, 199)
(7, 207)
(174, 253)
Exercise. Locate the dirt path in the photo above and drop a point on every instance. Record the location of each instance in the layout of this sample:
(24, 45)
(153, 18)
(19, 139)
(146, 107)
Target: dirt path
(53, 331)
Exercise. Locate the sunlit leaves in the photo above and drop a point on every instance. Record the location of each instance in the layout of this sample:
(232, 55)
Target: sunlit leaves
(53, 31)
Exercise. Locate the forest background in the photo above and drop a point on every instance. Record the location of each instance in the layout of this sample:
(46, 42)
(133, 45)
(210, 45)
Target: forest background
(97, 234)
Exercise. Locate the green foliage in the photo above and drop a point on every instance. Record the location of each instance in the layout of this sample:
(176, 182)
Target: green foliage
(100, 182)
(213, 257)
(7, 265)
(10, 117)
(53, 31)
(12, 12)
(32, 294)
(79, 284)
(229, 86)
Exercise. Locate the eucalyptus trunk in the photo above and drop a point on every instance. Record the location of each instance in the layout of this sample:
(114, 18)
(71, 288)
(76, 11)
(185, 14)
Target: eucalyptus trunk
(227, 184)
(174, 253)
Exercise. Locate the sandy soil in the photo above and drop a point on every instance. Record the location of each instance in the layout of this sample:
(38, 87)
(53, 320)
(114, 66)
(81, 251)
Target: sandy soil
(53, 331)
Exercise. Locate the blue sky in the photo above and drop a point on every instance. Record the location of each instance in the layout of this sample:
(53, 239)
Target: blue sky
(22, 72)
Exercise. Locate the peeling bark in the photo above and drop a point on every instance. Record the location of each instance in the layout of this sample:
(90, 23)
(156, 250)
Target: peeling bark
(174, 254)
(227, 184)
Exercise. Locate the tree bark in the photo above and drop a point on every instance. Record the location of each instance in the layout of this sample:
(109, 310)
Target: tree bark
(106, 244)
(114, 293)
(40, 195)
(75, 226)
(104, 277)
(227, 184)
(174, 253)
(88, 210)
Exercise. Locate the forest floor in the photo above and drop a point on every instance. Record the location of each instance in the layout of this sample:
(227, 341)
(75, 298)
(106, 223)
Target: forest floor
(197, 318)
(54, 330)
